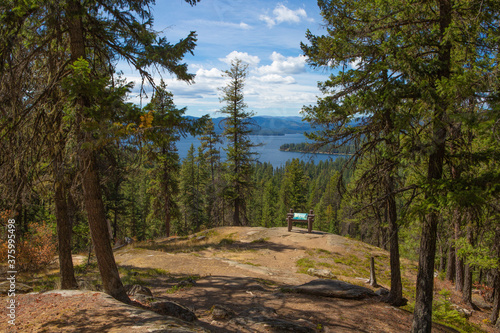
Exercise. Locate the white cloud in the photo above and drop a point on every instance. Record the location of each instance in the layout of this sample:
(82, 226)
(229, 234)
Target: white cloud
(283, 65)
(230, 25)
(243, 56)
(283, 14)
(243, 25)
(208, 73)
(355, 63)
(275, 78)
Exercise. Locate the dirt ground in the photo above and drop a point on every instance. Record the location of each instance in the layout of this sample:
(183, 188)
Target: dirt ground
(243, 268)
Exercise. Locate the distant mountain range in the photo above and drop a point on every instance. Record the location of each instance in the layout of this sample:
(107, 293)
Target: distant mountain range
(268, 125)
(272, 125)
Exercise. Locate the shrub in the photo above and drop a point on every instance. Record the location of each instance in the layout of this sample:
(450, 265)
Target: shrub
(37, 250)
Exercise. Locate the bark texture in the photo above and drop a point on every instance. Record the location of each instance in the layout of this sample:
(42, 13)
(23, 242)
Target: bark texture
(64, 231)
(94, 205)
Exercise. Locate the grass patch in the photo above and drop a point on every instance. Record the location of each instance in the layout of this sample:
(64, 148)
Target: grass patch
(251, 264)
(304, 264)
(260, 240)
(45, 283)
(139, 275)
(265, 282)
(325, 264)
(173, 290)
(323, 251)
(226, 242)
(85, 268)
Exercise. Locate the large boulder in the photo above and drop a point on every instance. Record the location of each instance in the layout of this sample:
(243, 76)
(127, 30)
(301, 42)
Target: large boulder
(332, 288)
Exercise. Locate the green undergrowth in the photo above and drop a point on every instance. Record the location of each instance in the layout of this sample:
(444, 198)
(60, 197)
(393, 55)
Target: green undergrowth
(356, 265)
(445, 314)
(139, 275)
(183, 283)
(43, 282)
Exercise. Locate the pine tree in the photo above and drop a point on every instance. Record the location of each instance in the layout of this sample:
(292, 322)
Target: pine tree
(190, 194)
(95, 34)
(237, 130)
(163, 125)
(294, 187)
(210, 145)
(405, 84)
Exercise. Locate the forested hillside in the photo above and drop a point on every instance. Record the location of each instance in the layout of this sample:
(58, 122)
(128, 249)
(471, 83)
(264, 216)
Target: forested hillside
(410, 95)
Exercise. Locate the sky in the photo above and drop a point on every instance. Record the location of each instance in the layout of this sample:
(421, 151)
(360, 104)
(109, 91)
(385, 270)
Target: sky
(264, 34)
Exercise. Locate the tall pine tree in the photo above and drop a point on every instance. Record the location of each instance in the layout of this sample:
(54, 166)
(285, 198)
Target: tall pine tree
(236, 130)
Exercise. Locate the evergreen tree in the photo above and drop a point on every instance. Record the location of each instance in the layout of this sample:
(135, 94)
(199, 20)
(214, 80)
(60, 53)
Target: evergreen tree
(401, 79)
(210, 145)
(191, 195)
(236, 130)
(294, 187)
(164, 125)
(97, 34)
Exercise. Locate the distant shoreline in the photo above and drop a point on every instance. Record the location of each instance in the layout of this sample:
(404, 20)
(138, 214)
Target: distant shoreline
(312, 152)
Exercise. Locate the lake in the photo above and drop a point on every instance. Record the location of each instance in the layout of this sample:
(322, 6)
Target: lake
(269, 151)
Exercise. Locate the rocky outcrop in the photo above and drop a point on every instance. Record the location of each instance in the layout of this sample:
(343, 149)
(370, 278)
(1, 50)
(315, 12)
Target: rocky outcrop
(321, 273)
(332, 288)
(221, 312)
(143, 320)
(264, 319)
(173, 309)
(135, 289)
(18, 288)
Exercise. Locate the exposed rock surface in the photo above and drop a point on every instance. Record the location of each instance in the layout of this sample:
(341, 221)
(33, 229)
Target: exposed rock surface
(322, 273)
(125, 318)
(265, 319)
(135, 289)
(173, 309)
(20, 288)
(260, 324)
(221, 312)
(332, 288)
(382, 292)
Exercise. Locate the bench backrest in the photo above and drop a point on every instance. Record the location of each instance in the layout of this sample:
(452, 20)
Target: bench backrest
(300, 216)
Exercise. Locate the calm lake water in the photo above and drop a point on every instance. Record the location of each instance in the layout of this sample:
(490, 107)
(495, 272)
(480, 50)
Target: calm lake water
(268, 152)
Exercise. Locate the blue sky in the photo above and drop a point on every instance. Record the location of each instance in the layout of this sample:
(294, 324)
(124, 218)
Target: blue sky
(265, 34)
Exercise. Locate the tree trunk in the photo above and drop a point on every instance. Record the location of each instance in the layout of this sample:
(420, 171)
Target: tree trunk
(450, 263)
(99, 230)
(64, 229)
(467, 288)
(442, 259)
(236, 214)
(395, 296)
(422, 316)
(496, 299)
(90, 178)
(167, 216)
(115, 225)
(373, 278)
(496, 284)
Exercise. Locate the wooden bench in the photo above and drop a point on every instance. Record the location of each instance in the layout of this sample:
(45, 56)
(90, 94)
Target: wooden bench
(300, 218)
